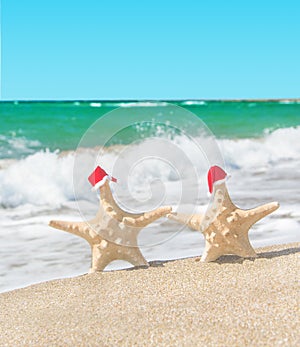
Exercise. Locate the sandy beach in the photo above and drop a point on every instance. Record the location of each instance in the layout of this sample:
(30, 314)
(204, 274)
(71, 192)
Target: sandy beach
(232, 302)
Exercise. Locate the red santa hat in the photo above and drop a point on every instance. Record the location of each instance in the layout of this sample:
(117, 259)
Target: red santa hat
(98, 177)
(215, 176)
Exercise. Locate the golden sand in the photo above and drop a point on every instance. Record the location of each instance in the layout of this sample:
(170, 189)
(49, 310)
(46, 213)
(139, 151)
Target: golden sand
(232, 302)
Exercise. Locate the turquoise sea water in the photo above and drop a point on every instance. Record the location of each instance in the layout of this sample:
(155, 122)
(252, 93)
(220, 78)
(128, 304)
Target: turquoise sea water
(27, 127)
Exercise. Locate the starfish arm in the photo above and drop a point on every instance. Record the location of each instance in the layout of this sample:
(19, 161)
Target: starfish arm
(110, 210)
(227, 203)
(211, 253)
(193, 221)
(99, 264)
(134, 256)
(133, 215)
(102, 254)
(259, 212)
(245, 250)
(77, 228)
(223, 192)
(147, 217)
(108, 202)
(106, 252)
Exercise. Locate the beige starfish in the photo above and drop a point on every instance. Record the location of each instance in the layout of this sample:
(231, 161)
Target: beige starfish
(193, 221)
(225, 226)
(112, 234)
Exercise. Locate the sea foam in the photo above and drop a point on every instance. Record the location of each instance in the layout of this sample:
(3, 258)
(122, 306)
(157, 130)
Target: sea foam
(12, 146)
(263, 153)
(46, 178)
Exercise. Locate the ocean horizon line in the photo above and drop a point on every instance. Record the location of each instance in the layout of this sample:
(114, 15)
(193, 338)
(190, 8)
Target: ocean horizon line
(151, 100)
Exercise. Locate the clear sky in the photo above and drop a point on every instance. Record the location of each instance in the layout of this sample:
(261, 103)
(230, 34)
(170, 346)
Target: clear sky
(123, 49)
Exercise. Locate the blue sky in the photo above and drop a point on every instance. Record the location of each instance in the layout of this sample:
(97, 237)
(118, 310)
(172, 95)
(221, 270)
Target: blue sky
(150, 49)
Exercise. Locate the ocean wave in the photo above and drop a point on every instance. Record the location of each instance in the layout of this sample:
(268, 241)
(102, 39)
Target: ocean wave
(40, 179)
(142, 104)
(288, 101)
(193, 102)
(259, 154)
(12, 146)
(95, 104)
(46, 178)
(125, 104)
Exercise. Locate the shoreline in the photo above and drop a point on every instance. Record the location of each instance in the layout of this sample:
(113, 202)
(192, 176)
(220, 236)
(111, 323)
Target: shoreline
(234, 301)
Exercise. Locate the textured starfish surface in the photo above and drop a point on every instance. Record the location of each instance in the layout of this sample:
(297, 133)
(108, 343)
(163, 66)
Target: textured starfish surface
(112, 234)
(225, 226)
(193, 221)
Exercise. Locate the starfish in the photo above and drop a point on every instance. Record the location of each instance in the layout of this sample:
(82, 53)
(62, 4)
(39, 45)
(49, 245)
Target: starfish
(112, 234)
(225, 226)
(228, 232)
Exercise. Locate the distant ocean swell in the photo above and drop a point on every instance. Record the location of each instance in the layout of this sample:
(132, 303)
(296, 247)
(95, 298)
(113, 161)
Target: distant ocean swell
(45, 177)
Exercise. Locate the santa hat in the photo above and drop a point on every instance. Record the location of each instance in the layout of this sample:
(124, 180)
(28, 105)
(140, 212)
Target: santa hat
(216, 176)
(98, 177)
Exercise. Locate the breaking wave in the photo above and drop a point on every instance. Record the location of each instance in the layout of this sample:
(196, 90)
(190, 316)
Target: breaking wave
(46, 178)
(282, 145)
(13, 146)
